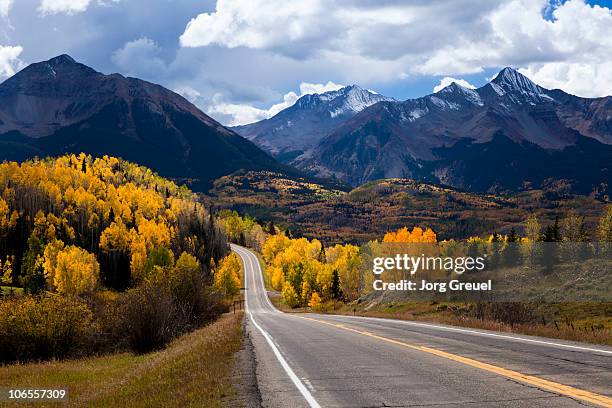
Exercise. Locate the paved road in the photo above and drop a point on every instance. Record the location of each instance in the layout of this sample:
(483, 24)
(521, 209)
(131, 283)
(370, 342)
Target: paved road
(312, 360)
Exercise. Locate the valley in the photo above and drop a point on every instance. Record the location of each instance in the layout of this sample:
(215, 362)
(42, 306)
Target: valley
(369, 211)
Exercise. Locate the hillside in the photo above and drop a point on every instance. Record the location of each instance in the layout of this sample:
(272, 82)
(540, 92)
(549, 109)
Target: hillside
(109, 217)
(371, 210)
(61, 106)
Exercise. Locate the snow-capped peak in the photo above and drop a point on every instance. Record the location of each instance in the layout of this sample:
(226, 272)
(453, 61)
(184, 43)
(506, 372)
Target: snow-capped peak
(510, 81)
(455, 89)
(348, 100)
(353, 99)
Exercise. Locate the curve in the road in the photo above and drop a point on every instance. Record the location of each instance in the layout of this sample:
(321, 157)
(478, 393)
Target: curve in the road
(519, 354)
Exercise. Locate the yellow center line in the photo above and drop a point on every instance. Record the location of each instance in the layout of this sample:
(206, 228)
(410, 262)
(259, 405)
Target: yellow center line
(557, 388)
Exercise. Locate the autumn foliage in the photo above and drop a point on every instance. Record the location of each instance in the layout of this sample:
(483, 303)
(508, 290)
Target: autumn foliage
(417, 235)
(306, 272)
(75, 228)
(114, 219)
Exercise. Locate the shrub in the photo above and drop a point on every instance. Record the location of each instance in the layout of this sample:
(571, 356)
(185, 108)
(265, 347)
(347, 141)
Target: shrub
(148, 318)
(185, 283)
(154, 313)
(504, 312)
(33, 328)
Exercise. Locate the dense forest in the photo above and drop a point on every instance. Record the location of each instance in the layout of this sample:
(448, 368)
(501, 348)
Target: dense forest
(100, 220)
(100, 254)
(371, 210)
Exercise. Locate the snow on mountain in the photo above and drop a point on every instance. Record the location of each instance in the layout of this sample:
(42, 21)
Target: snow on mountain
(524, 132)
(302, 125)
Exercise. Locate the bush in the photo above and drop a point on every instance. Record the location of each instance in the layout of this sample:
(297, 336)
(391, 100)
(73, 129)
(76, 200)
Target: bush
(504, 312)
(154, 313)
(149, 318)
(43, 327)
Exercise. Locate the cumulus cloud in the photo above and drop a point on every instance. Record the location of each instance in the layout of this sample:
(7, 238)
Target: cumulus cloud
(140, 57)
(5, 7)
(9, 60)
(258, 24)
(396, 38)
(588, 80)
(188, 93)
(242, 114)
(63, 6)
(446, 81)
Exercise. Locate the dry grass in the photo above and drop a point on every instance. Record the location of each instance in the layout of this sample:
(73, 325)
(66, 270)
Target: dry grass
(578, 321)
(193, 371)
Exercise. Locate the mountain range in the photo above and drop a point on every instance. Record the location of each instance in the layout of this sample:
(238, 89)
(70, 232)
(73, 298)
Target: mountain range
(58, 106)
(301, 126)
(506, 135)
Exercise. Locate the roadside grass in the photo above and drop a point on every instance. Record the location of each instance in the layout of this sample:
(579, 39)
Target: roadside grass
(589, 322)
(193, 371)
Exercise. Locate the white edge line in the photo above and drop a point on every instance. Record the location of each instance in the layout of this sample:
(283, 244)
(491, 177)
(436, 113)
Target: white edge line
(294, 378)
(478, 333)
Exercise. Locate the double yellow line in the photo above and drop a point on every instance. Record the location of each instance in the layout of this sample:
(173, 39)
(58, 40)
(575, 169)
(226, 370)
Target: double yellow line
(557, 388)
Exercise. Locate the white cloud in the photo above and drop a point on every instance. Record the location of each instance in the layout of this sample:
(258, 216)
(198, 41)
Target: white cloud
(69, 7)
(394, 39)
(255, 24)
(308, 88)
(571, 51)
(241, 114)
(446, 81)
(188, 93)
(5, 7)
(586, 80)
(9, 60)
(140, 57)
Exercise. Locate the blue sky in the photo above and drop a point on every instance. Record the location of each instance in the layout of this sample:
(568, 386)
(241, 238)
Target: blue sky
(243, 60)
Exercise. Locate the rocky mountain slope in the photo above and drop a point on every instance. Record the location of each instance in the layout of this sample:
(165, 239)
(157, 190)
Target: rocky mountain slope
(301, 126)
(507, 135)
(60, 105)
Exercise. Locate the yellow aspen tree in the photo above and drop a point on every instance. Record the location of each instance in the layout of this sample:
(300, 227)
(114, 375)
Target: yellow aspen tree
(76, 271)
(227, 276)
(315, 301)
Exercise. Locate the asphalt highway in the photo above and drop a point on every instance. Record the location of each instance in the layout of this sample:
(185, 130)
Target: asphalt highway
(316, 360)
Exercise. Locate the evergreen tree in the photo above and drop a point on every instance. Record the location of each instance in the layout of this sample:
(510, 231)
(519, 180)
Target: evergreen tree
(336, 292)
(512, 236)
(322, 257)
(550, 250)
(553, 232)
(32, 273)
(510, 255)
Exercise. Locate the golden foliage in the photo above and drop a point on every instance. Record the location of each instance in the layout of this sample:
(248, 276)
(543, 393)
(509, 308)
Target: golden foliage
(115, 209)
(417, 235)
(227, 276)
(70, 270)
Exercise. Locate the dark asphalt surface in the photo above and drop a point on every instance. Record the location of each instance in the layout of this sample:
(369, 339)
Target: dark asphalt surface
(347, 367)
